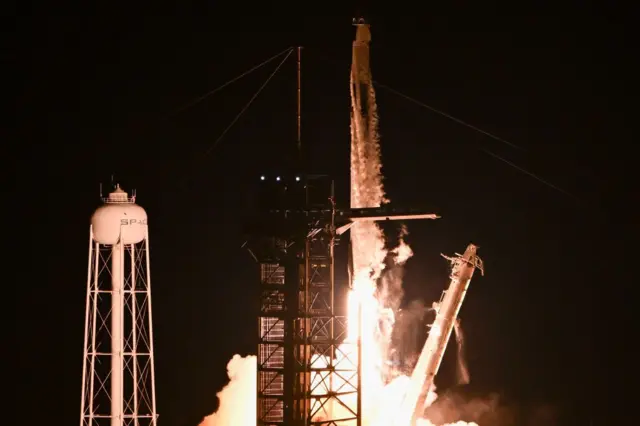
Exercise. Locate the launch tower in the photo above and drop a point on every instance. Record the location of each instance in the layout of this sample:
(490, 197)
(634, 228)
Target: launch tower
(118, 382)
(307, 374)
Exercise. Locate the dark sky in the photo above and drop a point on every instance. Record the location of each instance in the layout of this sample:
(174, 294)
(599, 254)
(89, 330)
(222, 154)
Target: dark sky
(96, 97)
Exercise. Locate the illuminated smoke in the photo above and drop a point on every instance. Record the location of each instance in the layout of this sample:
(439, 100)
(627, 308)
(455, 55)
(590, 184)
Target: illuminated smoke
(367, 241)
(453, 408)
(425, 422)
(366, 176)
(237, 400)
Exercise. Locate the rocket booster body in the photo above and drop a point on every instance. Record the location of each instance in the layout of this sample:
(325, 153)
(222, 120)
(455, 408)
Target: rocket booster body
(432, 353)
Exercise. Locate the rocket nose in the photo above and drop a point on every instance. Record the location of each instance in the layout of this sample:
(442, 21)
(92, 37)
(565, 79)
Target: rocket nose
(363, 34)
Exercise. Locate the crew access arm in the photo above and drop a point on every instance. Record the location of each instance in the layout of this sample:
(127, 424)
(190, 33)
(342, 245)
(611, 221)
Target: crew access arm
(430, 358)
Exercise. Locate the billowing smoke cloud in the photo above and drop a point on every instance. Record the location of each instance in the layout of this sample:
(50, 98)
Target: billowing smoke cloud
(425, 422)
(454, 409)
(237, 400)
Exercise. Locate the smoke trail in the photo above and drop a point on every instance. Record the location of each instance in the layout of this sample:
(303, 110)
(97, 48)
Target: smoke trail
(462, 371)
(380, 381)
(367, 241)
(366, 177)
(237, 400)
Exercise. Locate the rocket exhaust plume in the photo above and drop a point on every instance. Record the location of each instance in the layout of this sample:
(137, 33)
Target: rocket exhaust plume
(367, 241)
(237, 404)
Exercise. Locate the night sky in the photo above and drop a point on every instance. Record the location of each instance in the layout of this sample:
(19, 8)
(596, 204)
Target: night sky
(101, 94)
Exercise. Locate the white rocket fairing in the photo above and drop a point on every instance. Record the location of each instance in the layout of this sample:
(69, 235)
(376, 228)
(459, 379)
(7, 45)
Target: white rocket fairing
(447, 310)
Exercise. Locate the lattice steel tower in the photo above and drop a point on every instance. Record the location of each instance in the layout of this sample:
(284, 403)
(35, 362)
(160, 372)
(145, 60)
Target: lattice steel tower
(308, 374)
(118, 382)
(301, 375)
(299, 330)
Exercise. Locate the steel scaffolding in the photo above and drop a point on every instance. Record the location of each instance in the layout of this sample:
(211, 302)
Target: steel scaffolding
(303, 371)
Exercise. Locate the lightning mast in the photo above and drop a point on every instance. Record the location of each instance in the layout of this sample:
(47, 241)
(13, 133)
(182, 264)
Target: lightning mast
(118, 382)
(463, 266)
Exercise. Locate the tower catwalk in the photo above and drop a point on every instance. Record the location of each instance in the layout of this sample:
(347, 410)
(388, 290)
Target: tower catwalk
(118, 382)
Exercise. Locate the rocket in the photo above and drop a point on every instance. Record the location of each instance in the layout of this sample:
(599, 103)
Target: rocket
(422, 378)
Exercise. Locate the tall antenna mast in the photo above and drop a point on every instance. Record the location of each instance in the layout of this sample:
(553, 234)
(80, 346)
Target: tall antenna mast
(299, 108)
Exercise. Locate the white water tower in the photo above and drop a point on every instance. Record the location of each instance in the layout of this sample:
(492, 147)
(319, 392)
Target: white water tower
(118, 382)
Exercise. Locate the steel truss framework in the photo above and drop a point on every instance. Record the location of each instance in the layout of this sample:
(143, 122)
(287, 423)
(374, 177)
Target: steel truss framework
(307, 373)
(138, 380)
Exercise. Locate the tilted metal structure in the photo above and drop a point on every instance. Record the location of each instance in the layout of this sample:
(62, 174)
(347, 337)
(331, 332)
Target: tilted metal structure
(422, 378)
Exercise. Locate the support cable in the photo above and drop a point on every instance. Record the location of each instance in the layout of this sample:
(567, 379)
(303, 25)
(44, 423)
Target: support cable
(477, 129)
(253, 98)
(233, 80)
(429, 107)
(450, 117)
(534, 176)
(242, 111)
